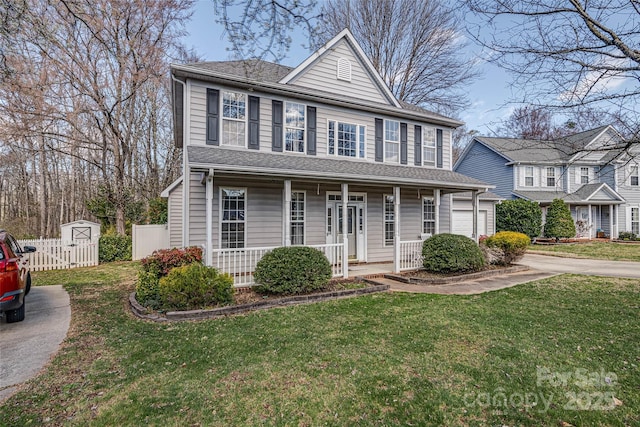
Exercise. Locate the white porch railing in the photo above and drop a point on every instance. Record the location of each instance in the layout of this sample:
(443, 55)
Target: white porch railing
(54, 254)
(411, 255)
(241, 263)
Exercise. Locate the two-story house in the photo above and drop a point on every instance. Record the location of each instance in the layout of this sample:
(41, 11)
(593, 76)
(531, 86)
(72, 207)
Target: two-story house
(588, 170)
(322, 155)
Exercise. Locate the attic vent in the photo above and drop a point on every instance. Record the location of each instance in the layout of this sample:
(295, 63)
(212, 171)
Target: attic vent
(344, 70)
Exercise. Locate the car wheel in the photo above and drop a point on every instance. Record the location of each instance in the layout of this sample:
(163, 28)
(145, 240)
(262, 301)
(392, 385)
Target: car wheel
(28, 287)
(16, 315)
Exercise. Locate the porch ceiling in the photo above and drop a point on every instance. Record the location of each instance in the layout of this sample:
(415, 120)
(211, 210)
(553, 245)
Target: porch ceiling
(252, 162)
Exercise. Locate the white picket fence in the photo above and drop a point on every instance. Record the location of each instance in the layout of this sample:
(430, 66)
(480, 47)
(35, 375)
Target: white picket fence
(54, 254)
(241, 263)
(411, 255)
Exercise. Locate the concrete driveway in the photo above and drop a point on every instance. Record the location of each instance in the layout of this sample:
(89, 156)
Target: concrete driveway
(592, 267)
(27, 346)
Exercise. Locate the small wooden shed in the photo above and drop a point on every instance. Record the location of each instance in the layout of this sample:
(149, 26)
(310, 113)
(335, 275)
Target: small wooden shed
(80, 231)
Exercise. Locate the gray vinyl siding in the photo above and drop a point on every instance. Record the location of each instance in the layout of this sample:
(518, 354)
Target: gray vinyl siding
(376, 251)
(322, 74)
(410, 215)
(197, 211)
(445, 214)
(484, 164)
(607, 175)
(197, 113)
(175, 217)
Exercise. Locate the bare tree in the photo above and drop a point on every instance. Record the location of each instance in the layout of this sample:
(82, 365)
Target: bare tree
(415, 46)
(566, 54)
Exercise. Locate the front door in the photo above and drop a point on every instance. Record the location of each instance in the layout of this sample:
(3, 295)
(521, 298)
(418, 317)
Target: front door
(355, 232)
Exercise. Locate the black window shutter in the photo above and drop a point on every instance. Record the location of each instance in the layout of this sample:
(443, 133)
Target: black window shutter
(403, 143)
(417, 145)
(254, 122)
(276, 120)
(213, 115)
(311, 131)
(439, 147)
(379, 157)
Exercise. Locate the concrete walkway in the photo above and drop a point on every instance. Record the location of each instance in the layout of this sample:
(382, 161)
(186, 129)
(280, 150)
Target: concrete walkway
(27, 346)
(593, 267)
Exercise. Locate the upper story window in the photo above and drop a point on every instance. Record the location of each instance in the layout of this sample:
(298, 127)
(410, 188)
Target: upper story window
(528, 176)
(233, 118)
(633, 176)
(551, 176)
(346, 139)
(584, 175)
(392, 141)
(429, 147)
(294, 114)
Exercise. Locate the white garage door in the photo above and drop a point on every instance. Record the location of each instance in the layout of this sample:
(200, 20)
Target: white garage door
(463, 223)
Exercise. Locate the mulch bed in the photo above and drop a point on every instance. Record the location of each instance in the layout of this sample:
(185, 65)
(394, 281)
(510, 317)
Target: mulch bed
(424, 277)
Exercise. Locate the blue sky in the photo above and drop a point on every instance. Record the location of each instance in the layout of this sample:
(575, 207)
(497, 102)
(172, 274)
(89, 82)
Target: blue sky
(489, 94)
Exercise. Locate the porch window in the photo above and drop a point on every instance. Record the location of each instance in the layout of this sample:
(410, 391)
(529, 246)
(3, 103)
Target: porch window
(232, 233)
(233, 118)
(584, 175)
(551, 177)
(528, 176)
(346, 139)
(294, 127)
(428, 147)
(297, 217)
(389, 220)
(635, 181)
(635, 220)
(392, 141)
(428, 216)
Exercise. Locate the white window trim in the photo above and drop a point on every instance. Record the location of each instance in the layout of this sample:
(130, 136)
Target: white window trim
(385, 141)
(435, 215)
(631, 167)
(284, 127)
(335, 141)
(304, 212)
(532, 176)
(384, 221)
(221, 209)
(555, 176)
(223, 118)
(629, 222)
(435, 145)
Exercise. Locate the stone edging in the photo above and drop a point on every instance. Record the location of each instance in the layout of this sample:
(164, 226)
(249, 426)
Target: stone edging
(456, 279)
(144, 313)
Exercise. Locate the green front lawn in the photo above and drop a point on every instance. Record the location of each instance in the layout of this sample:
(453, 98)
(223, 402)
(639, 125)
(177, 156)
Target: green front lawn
(555, 351)
(595, 250)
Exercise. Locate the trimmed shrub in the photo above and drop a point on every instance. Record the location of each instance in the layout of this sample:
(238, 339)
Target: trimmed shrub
(519, 215)
(451, 253)
(162, 261)
(114, 247)
(626, 235)
(195, 286)
(292, 270)
(147, 289)
(559, 223)
(508, 246)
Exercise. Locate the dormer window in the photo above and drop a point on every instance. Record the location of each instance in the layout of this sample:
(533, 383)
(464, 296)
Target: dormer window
(343, 70)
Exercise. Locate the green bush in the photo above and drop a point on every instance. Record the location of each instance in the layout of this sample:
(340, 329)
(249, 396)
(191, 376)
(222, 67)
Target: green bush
(147, 289)
(162, 261)
(559, 223)
(292, 270)
(627, 235)
(451, 253)
(519, 215)
(509, 246)
(195, 286)
(114, 247)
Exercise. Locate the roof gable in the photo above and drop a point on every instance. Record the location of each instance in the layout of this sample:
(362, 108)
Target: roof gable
(320, 70)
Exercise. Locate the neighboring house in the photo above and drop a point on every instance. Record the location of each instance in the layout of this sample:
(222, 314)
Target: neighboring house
(322, 154)
(586, 170)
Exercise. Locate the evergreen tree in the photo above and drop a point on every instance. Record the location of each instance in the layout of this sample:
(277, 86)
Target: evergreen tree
(559, 223)
(519, 215)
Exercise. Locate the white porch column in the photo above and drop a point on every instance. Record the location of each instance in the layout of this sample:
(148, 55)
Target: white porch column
(474, 202)
(610, 222)
(396, 229)
(590, 222)
(209, 218)
(345, 234)
(436, 201)
(287, 212)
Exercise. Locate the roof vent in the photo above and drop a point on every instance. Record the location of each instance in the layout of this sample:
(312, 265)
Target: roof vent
(343, 71)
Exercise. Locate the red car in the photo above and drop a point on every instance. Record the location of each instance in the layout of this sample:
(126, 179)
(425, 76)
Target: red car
(15, 279)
